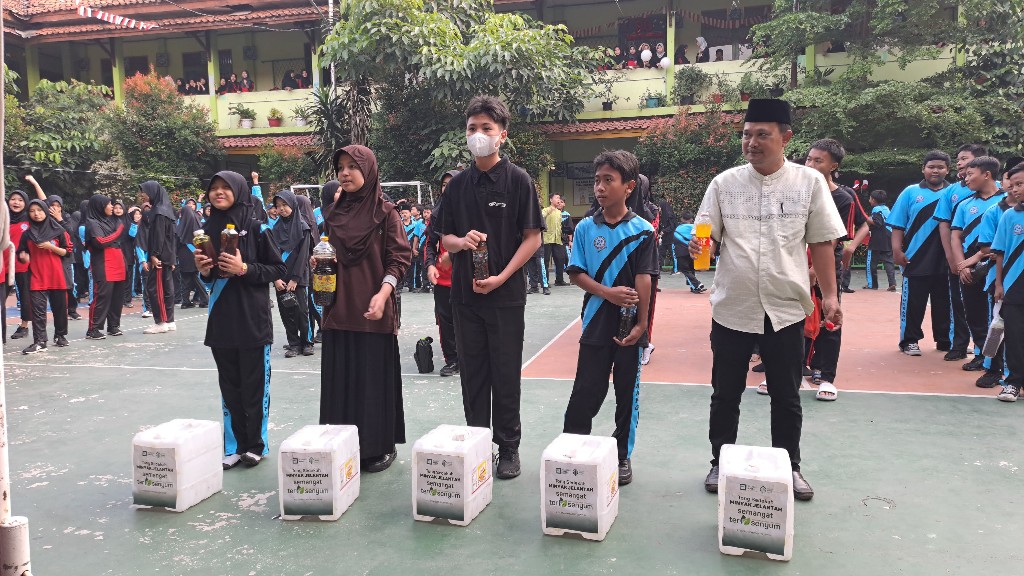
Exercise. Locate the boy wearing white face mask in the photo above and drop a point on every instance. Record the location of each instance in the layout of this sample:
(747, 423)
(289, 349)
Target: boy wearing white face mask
(492, 202)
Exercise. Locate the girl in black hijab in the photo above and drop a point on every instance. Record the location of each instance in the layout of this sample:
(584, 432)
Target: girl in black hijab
(55, 208)
(127, 250)
(239, 329)
(103, 236)
(44, 247)
(17, 205)
(80, 267)
(160, 256)
(188, 223)
(315, 312)
(292, 236)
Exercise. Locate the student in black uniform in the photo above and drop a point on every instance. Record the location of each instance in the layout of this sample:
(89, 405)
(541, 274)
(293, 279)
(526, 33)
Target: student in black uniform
(239, 330)
(613, 261)
(192, 291)
(160, 241)
(315, 314)
(494, 202)
(880, 245)
(292, 237)
(439, 273)
(103, 234)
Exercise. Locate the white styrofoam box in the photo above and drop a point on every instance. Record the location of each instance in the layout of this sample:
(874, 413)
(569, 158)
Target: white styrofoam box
(579, 486)
(318, 473)
(451, 474)
(177, 464)
(755, 501)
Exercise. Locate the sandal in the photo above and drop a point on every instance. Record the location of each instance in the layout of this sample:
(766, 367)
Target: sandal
(826, 392)
(762, 388)
(816, 377)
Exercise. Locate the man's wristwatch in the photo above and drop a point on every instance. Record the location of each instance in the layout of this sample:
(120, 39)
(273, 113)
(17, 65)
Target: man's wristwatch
(245, 268)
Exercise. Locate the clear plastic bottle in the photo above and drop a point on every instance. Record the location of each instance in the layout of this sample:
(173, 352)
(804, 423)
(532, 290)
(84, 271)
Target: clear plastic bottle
(228, 244)
(202, 241)
(702, 231)
(627, 320)
(325, 273)
(995, 333)
(481, 265)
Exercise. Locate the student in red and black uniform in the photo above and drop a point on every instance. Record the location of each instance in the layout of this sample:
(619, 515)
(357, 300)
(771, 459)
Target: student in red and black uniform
(6, 266)
(44, 247)
(17, 204)
(103, 233)
(439, 273)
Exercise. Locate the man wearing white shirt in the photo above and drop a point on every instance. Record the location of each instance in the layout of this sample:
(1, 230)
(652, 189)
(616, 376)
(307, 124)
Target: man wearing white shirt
(766, 215)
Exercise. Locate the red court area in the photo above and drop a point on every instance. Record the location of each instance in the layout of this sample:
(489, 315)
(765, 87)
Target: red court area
(870, 359)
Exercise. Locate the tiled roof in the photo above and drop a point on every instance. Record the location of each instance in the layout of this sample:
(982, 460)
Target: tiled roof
(599, 126)
(295, 141)
(32, 7)
(280, 15)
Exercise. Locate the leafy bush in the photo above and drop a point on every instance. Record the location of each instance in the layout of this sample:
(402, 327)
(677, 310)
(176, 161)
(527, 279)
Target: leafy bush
(279, 168)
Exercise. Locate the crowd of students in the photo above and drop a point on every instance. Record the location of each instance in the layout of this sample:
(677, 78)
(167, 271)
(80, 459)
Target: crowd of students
(632, 57)
(233, 83)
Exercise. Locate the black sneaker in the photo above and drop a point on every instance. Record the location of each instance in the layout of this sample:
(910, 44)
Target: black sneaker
(507, 466)
(187, 306)
(848, 290)
(36, 347)
(1010, 393)
(449, 369)
(251, 459)
(292, 352)
(711, 480)
(115, 332)
(307, 350)
(95, 335)
(911, 349)
(60, 341)
(891, 289)
(978, 363)
(532, 290)
(954, 355)
(807, 373)
(989, 380)
(21, 332)
(625, 472)
(380, 464)
(74, 316)
(129, 305)
(561, 283)
(547, 291)
(943, 346)
(759, 368)
(318, 338)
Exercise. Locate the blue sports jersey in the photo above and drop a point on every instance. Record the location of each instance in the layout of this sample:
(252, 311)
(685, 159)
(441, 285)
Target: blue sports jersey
(613, 255)
(967, 217)
(410, 231)
(1009, 242)
(955, 193)
(318, 214)
(683, 233)
(913, 213)
(987, 232)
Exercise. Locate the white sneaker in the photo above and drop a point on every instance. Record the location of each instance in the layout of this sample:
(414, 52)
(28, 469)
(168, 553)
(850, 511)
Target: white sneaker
(646, 358)
(171, 327)
(231, 461)
(156, 329)
(147, 314)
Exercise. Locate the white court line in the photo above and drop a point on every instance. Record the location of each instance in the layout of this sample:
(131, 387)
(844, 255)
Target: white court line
(548, 345)
(86, 324)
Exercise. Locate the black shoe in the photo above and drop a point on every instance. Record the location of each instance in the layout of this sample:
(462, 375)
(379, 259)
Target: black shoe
(547, 291)
(307, 350)
(848, 290)
(381, 464)
(60, 341)
(36, 347)
(625, 472)
(532, 290)
(115, 332)
(95, 335)
(251, 459)
(21, 332)
(989, 380)
(187, 306)
(711, 480)
(807, 372)
(891, 289)
(978, 363)
(74, 316)
(943, 347)
(869, 287)
(449, 369)
(508, 464)
(292, 352)
(318, 338)
(801, 489)
(954, 355)
(759, 368)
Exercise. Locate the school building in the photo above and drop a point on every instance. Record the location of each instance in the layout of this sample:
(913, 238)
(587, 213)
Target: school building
(105, 41)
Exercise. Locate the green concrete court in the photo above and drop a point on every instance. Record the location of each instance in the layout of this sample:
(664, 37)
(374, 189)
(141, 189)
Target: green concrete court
(905, 483)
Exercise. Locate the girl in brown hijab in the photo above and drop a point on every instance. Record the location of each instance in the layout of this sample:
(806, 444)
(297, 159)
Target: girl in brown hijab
(361, 373)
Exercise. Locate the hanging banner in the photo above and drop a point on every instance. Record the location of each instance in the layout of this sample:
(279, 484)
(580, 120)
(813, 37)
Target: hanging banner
(114, 18)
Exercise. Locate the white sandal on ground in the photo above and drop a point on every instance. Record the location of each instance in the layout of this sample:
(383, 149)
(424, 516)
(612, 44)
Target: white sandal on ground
(762, 388)
(826, 392)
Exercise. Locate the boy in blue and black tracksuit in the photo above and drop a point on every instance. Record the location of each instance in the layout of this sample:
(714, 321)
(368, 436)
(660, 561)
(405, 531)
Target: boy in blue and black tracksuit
(683, 262)
(613, 260)
(1008, 246)
(981, 179)
(917, 247)
(880, 245)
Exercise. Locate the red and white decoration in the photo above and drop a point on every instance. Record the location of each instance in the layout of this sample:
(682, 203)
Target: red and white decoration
(114, 18)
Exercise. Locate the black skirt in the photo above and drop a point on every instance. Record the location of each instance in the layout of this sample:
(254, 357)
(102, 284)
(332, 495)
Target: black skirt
(361, 385)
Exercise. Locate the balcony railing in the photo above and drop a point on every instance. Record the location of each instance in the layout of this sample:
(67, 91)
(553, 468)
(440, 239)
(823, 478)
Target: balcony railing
(261, 103)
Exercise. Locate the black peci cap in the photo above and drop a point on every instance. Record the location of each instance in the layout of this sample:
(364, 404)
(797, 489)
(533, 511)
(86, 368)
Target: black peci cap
(769, 110)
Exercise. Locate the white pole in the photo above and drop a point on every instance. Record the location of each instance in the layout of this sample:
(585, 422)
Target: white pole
(330, 26)
(14, 534)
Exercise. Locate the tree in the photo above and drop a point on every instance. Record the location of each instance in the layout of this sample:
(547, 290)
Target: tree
(328, 117)
(161, 136)
(457, 49)
(279, 168)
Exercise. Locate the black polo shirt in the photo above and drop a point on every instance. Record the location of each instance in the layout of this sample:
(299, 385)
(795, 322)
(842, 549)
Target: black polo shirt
(501, 203)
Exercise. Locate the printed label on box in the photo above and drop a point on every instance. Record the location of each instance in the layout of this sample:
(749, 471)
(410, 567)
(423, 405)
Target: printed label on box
(155, 478)
(570, 496)
(754, 515)
(306, 487)
(481, 473)
(439, 486)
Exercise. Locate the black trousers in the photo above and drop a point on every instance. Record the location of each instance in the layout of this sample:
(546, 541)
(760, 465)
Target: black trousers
(160, 287)
(412, 274)
(557, 253)
(244, 377)
(59, 306)
(105, 307)
(445, 323)
(824, 350)
(178, 293)
(81, 274)
(684, 264)
(589, 389)
(782, 353)
(844, 279)
(22, 281)
(876, 257)
(1013, 341)
(960, 334)
(975, 300)
(490, 343)
(315, 312)
(536, 273)
(192, 290)
(3, 311)
(917, 291)
(296, 318)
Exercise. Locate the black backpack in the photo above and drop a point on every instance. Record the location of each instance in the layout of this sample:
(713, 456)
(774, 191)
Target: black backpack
(424, 355)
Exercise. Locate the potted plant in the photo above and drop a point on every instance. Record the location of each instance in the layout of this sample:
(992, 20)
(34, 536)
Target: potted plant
(724, 90)
(246, 115)
(651, 99)
(751, 86)
(689, 81)
(300, 115)
(275, 117)
(604, 89)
